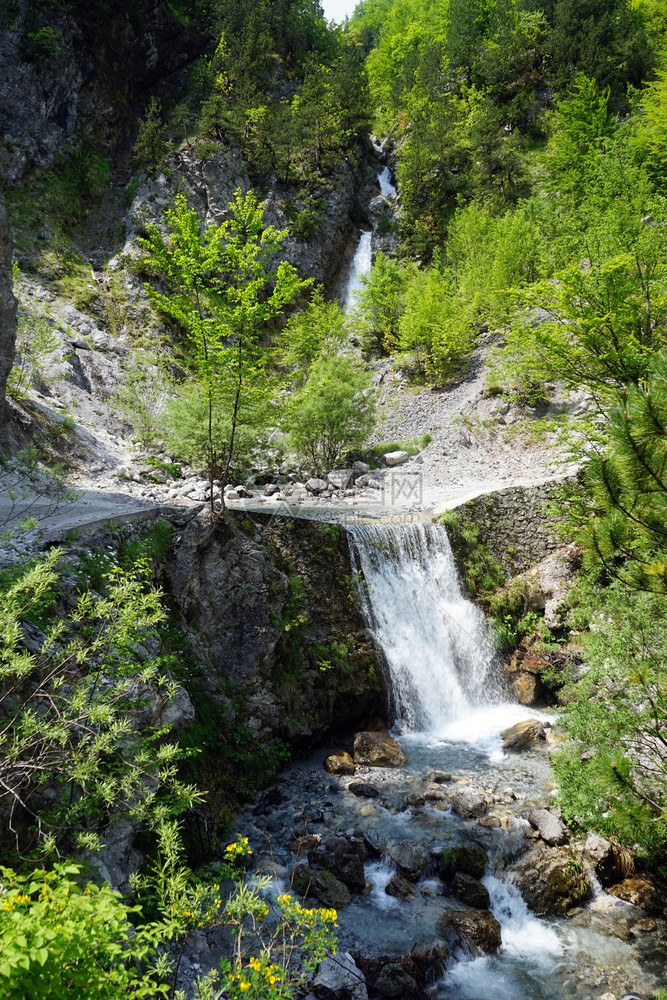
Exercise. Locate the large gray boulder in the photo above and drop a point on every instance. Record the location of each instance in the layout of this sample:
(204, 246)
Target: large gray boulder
(548, 826)
(478, 929)
(339, 978)
(7, 307)
(411, 858)
(551, 879)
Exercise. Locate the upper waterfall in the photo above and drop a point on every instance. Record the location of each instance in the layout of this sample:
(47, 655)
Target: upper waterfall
(361, 265)
(436, 643)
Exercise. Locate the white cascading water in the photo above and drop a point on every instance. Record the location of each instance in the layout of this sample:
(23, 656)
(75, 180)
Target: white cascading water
(361, 265)
(436, 643)
(387, 189)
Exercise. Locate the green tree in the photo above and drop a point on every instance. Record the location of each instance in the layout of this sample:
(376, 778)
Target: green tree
(616, 707)
(380, 303)
(152, 143)
(225, 290)
(74, 729)
(332, 413)
(579, 125)
(318, 328)
(625, 521)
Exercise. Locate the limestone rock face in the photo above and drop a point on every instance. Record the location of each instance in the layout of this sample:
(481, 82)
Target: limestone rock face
(7, 307)
(551, 879)
(378, 750)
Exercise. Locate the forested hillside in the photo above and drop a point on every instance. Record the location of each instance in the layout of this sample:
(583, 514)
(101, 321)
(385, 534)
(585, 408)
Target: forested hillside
(184, 187)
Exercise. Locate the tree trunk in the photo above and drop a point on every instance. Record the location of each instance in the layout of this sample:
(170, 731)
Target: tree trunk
(7, 307)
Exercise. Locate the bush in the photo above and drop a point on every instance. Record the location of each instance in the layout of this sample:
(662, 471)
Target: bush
(333, 413)
(61, 939)
(185, 431)
(616, 709)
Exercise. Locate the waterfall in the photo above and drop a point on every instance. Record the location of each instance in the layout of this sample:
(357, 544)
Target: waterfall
(361, 264)
(387, 189)
(436, 644)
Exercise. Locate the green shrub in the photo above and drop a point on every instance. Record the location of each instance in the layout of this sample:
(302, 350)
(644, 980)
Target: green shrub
(332, 413)
(59, 938)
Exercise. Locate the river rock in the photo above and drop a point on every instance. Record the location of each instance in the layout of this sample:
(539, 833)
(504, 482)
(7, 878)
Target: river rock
(374, 841)
(337, 855)
(471, 891)
(339, 763)
(521, 735)
(411, 858)
(395, 983)
(363, 790)
(468, 858)
(360, 469)
(548, 826)
(399, 887)
(478, 929)
(612, 863)
(378, 750)
(468, 803)
(438, 777)
(339, 978)
(551, 879)
(340, 478)
(316, 486)
(271, 489)
(641, 891)
(396, 457)
(322, 885)
(527, 689)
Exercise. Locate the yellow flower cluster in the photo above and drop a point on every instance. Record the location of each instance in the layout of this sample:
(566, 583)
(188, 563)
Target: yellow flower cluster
(10, 903)
(238, 849)
(270, 974)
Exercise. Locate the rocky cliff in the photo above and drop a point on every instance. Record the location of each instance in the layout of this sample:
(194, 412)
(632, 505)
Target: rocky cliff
(7, 307)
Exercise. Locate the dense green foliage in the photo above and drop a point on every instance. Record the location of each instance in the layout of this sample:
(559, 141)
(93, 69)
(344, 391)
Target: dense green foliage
(615, 717)
(225, 289)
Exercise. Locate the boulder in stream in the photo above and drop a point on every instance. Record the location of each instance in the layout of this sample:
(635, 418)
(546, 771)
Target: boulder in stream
(399, 887)
(339, 763)
(551, 879)
(411, 858)
(468, 803)
(378, 749)
(549, 827)
(363, 790)
(641, 891)
(337, 856)
(469, 858)
(478, 929)
(612, 862)
(339, 978)
(321, 885)
(408, 976)
(471, 891)
(521, 735)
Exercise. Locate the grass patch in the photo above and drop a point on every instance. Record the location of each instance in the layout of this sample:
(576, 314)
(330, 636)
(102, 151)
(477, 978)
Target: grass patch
(412, 447)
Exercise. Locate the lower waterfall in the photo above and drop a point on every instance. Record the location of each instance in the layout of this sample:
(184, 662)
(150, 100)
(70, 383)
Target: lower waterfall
(436, 642)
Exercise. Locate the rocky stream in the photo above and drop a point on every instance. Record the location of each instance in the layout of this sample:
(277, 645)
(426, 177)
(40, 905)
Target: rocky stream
(440, 845)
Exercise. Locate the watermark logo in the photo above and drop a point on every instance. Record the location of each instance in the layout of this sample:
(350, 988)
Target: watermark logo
(402, 488)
